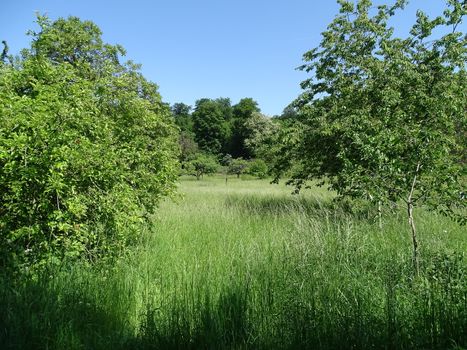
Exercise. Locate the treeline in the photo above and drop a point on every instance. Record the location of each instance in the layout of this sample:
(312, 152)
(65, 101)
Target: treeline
(217, 135)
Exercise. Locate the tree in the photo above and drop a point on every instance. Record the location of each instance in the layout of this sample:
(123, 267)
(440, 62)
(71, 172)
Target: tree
(87, 148)
(242, 112)
(380, 116)
(182, 116)
(188, 147)
(4, 55)
(245, 108)
(202, 164)
(77, 43)
(258, 128)
(209, 126)
(226, 107)
(237, 166)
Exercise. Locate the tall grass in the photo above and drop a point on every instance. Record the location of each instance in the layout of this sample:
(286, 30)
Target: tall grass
(247, 265)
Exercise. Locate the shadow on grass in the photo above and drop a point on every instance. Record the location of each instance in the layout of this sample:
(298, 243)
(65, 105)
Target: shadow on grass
(423, 314)
(428, 313)
(42, 315)
(209, 324)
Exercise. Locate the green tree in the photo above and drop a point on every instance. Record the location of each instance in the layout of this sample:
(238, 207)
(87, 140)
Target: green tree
(4, 55)
(182, 116)
(237, 166)
(87, 148)
(202, 164)
(258, 128)
(188, 147)
(242, 112)
(380, 116)
(78, 43)
(245, 108)
(226, 107)
(209, 126)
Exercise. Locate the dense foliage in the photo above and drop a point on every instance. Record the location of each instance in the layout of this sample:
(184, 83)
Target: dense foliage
(382, 117)
(209, 126)
(201, 164)
(87, 148)
(238, 137)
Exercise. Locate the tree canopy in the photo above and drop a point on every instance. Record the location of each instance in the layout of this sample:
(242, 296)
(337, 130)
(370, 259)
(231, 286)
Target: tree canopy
(380, 116)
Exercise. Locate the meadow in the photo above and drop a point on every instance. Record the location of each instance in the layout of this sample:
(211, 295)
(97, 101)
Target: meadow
(247, 265)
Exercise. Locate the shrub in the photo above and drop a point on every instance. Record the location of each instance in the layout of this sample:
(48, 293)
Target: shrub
(258, 168)
(86, 148)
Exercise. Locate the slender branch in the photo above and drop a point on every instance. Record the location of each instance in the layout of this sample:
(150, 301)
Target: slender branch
(412, 189)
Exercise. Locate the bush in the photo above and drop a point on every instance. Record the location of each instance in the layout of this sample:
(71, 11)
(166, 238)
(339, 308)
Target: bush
(86, 148)
(258, 168)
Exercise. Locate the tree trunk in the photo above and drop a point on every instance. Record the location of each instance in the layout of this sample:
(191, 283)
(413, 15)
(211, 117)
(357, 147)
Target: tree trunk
(380, 216)
(412, 222)
(414, 238)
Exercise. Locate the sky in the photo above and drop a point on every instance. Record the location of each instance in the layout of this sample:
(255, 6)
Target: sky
(205, 48)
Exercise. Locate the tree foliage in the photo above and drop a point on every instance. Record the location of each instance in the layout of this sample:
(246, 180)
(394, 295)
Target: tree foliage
(182, 116)
(188, 147)
(87, 148)
(202, 164)
(209, 126)
(237, 166)
(258, 168)
(258, 129)
(380, 116)
(243, 111)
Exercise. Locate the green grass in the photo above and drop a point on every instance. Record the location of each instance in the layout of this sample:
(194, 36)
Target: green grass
(247, 265)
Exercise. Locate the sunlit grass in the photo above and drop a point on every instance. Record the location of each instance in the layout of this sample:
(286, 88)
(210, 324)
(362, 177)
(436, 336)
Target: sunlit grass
(249, 265)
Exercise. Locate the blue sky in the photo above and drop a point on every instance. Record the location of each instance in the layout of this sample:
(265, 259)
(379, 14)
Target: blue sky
(204, 48)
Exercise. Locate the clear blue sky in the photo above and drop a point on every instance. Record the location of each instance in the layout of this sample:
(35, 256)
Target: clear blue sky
(204, 48)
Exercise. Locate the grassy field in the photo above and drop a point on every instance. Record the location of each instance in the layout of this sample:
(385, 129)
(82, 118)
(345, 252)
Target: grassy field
(247, 265)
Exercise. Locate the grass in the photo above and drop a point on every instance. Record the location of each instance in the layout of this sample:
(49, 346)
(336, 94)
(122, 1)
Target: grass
(247, 265)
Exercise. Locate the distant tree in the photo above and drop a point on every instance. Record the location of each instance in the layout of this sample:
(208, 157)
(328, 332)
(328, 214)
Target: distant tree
(188, 147)
(4, 55)
(209, 126)
(182, 116)
(181, 109)
(242, 112)
(245, 108)
(202, 164)
(289, 112)
(226, 107)
(257, 128)
(380, 115)
(226, 160)
(237, 166)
